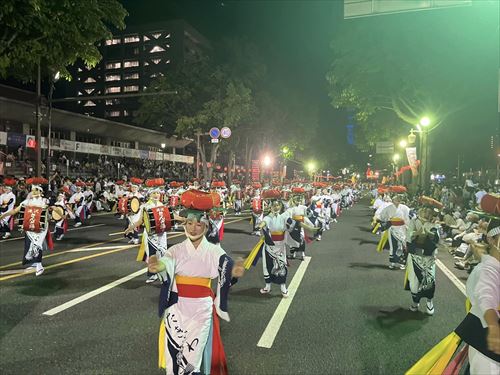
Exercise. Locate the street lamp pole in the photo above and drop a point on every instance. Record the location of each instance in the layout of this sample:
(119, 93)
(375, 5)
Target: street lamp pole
(38, 136)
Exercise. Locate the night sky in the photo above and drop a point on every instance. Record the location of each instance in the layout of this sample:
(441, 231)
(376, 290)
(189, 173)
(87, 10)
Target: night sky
(294, 38)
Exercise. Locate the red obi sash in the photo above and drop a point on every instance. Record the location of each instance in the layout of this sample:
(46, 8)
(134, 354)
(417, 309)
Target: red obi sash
(278, 236)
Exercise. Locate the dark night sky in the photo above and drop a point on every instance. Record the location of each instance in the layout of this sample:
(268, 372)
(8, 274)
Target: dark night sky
(294, 37)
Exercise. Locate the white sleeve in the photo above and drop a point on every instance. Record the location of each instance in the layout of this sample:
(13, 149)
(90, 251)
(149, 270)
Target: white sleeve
(488, 287)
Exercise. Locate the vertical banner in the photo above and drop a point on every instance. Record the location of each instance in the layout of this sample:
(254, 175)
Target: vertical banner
(255, 170)
(411, 154)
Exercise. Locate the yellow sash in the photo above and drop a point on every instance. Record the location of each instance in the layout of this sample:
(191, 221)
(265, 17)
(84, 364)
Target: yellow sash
(188, 280)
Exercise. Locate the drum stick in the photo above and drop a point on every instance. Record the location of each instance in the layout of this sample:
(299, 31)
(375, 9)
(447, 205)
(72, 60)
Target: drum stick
(117, 233)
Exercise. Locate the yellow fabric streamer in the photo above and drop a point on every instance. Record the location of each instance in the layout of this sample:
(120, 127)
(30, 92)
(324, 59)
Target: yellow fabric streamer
(375, 228)
(142, 249)
(406, 275)
(162, 361)
(468, 305)
(383, 241)
(435, 360)
(250, 258)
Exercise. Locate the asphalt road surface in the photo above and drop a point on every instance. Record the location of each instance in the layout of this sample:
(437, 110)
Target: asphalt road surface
(348, 315)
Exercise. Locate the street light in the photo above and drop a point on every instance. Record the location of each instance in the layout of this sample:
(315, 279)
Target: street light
(285, 150)
(267, 161)
(395, 158)
(403, 143)
(425, 121)
(163, 145)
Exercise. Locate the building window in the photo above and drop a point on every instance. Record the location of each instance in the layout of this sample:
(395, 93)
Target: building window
(90, 80)
(113, 113)
(168, 36)
(112, 90)
(156, 35)
(131, 39)
(130, 88)
(136, 50)
(157, 49)
(89, 91)
(145, 38)
(158, 74)
(110, 42)
(156, 61)
(114, 65)
(112, 101)
(131, 76)
(112, 77)
(130, 64)
(126, 112)
(89, 103)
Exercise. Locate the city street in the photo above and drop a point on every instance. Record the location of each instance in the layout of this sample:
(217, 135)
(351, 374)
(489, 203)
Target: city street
(347, 312)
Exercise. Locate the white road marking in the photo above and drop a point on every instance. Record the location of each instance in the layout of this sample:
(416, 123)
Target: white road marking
(69, 230)
(460, 285)
(274, 325)
(101, 248)
(76, 301)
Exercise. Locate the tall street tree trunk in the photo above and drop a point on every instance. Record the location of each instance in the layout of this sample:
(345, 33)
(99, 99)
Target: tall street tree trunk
(230, 167)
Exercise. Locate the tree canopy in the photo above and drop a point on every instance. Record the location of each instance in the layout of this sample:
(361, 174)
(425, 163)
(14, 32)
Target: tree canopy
(229, 88)
(53, 34)
(409, 66)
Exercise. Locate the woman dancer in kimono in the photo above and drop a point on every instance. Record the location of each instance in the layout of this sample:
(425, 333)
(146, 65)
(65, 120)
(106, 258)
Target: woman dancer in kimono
(421, 269)
(190, 341)
(35, 242)
(295, 235)
(153, 242)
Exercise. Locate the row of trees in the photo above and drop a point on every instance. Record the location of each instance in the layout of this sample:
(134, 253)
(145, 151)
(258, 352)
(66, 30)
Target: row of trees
(230, 87)
(392, 70)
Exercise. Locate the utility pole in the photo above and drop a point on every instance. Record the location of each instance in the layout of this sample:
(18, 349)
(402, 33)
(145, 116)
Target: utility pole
(38, 136)
(198, 134)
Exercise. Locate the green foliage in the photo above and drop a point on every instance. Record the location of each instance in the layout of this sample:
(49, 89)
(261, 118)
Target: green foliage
(54, 34)
(392, 70)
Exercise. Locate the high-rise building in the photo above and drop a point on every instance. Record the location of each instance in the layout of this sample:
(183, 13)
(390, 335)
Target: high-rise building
(131, 60)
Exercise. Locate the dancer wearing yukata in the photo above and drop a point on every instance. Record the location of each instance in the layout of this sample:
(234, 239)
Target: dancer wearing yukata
(79, 206)
(190, 341)
(7, 203)
(421, 269)
(295, 235)
(132, 217)
(480, 330)
(61, 226)
(157, 220)
(272, 246)
(394, 218)
(35, 225)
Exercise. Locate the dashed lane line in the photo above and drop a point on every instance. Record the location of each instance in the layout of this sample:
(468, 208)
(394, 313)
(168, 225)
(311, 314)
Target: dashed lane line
(102, 289)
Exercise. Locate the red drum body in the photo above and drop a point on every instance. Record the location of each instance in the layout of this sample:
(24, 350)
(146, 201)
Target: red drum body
(173, 201)
(33, 219)
(129, 205)
(160, 220)
(257, 205)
